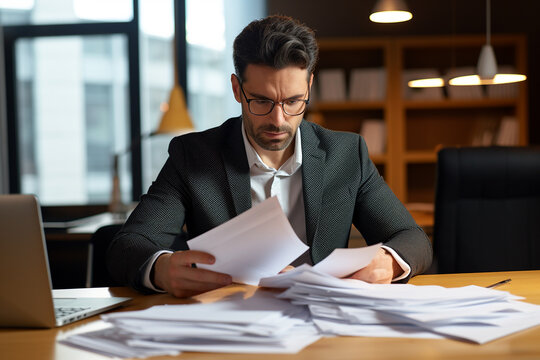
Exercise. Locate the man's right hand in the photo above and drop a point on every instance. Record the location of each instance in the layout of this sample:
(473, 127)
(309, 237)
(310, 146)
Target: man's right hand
(174, 274)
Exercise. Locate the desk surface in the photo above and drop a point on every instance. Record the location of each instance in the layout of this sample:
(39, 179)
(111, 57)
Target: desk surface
(41, 344)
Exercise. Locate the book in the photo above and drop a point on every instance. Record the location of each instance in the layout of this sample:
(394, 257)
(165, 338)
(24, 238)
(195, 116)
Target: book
(332, 85)
(508, 132)
(374, 133)
(484, 132)
(367, 84)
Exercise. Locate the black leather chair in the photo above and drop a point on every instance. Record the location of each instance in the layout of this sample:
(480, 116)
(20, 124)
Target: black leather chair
(100, 242)
(487, 209)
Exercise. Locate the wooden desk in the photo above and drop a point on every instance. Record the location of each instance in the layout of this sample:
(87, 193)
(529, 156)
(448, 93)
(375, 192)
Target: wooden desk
(41, 344)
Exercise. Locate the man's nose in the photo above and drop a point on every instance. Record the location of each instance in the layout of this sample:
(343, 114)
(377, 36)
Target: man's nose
(278, 114)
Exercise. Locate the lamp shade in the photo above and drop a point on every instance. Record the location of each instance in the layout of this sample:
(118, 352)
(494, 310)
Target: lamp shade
(487, 64)
(176, 118)
(390, 11)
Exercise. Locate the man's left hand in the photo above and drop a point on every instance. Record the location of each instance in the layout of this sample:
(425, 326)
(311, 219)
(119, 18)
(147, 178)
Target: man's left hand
(381, 270)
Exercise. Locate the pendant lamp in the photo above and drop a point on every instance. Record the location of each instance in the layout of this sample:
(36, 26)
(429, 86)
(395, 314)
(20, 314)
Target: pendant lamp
(390, 11)
(487, 64)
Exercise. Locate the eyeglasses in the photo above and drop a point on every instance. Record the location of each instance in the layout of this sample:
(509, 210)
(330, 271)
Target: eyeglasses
(260, 107)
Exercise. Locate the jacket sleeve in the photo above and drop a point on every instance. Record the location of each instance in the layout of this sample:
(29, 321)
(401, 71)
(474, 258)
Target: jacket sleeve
(381, 217)
(155, 224)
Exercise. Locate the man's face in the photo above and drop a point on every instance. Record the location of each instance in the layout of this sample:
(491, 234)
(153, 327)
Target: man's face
(274, 131)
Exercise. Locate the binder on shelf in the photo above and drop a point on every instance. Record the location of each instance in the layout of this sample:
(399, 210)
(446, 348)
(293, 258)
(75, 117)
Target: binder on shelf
(409, 93)
(484, 132)
(367, 84)
(332, 85)
(463, 92)
(374, 133)
(508, 132)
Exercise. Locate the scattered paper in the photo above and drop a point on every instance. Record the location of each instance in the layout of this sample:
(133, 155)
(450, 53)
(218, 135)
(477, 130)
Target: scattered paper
(253, 247)
(354, 308)
(315, 305)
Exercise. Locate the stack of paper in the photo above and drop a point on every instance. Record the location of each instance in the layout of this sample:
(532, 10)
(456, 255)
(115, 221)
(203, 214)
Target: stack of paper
(356, 308)
(259, 324)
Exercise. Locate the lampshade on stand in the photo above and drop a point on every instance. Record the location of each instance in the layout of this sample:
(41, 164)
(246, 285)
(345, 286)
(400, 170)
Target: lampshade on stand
(390, 11)
(176, 117)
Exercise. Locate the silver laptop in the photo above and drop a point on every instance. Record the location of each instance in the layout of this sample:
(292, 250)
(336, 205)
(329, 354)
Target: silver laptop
(26, 298)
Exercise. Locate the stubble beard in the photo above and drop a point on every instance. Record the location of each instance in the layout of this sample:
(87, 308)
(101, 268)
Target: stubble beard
(270, 144)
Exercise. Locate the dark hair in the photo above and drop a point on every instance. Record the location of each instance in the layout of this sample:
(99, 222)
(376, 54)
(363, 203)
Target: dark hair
(276, 41)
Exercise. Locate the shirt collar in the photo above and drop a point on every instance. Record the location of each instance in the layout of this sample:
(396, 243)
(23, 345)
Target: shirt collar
(290, 166)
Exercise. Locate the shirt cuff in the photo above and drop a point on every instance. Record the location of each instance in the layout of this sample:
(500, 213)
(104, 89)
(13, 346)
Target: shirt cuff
(147, 282)
(404, 266)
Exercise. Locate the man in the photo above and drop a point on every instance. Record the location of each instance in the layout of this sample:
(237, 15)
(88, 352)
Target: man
(323, 179)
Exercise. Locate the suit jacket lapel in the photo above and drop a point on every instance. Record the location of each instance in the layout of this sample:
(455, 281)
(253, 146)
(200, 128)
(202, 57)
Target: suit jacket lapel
(236, 167)
(313, 159)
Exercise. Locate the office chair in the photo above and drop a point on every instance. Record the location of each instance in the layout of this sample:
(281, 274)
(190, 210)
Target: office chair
(487, 209)
(100, 242)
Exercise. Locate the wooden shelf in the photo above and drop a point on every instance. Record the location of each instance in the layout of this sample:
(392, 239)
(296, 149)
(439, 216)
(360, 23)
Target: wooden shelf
(420, 157)
(416, 129)
(459, 103)
(347, 105)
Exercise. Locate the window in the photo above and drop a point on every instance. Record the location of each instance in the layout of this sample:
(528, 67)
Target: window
(72, 116)
(84, 84)
(211, 28)
(37, 12)
(88, 78)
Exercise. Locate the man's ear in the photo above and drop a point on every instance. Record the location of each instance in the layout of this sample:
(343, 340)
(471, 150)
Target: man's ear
(310, 81)
(236, 88)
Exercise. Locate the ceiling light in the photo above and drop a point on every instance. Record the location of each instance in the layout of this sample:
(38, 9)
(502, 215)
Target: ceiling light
(390, 11)
(426, 83)
(487, 64)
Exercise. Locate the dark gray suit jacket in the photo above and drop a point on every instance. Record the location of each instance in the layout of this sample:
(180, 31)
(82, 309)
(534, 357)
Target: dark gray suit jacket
(206, 182)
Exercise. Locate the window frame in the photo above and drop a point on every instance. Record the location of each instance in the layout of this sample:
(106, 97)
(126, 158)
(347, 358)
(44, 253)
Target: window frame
(130, 30)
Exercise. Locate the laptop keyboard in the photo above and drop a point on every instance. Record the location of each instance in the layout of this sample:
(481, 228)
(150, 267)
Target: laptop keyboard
(65, 311)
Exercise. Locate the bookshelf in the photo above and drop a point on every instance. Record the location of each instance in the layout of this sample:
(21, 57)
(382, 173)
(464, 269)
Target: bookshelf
(420, 122)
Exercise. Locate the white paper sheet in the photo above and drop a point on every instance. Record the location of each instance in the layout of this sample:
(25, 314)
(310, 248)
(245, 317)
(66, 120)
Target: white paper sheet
(257, 243)
(343, 262)
(340, 262)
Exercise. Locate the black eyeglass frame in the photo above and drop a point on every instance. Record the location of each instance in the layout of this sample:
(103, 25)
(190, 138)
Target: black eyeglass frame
(305, 101)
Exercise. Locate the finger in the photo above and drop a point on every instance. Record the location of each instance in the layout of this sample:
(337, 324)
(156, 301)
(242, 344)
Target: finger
(188, 257)
(188, 281)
